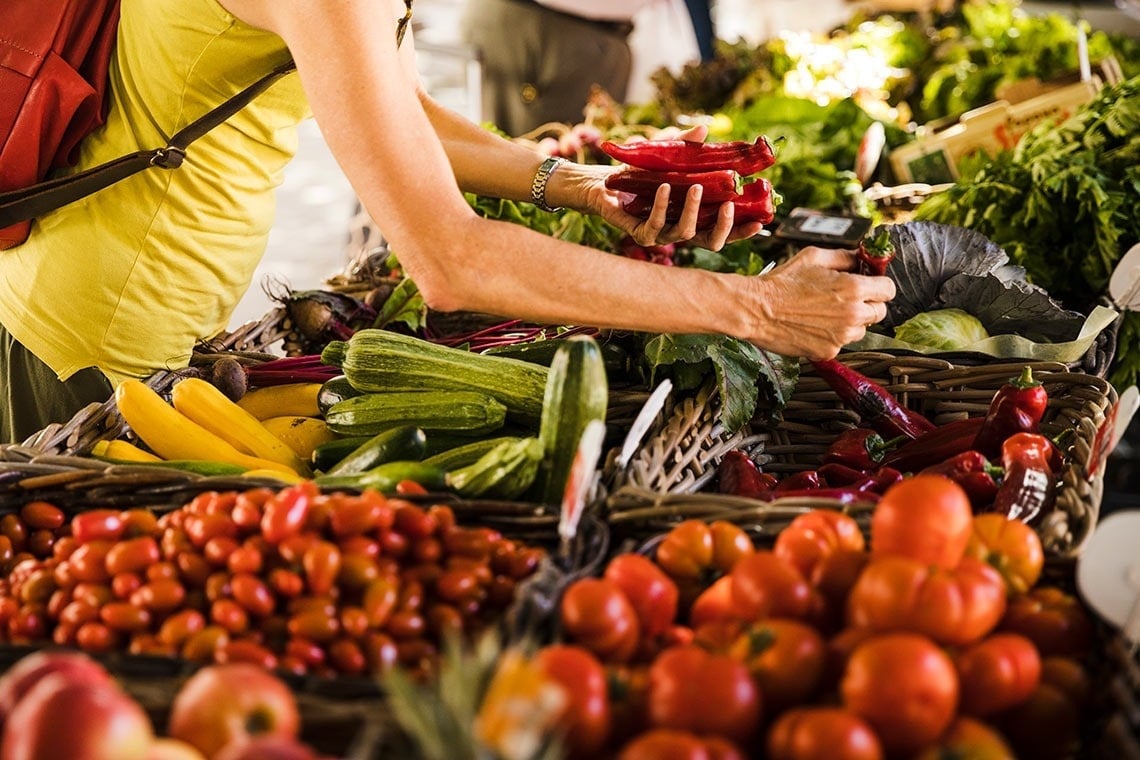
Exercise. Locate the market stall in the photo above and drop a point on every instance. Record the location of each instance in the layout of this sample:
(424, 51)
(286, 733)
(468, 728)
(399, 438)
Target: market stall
(361, 528)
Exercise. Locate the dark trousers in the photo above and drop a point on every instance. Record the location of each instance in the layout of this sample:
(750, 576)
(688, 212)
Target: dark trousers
(32, 397)
(539, 65)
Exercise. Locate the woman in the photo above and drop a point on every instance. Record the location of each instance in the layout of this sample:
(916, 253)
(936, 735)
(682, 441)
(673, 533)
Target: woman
(126, 281)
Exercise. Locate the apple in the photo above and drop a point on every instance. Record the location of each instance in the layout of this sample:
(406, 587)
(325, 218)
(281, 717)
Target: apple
(30, 669)
(266, 747)
(165, 748)
(61, 717)
(232, 702)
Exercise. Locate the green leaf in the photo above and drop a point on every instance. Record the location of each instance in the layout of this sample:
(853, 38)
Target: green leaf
(404, 304)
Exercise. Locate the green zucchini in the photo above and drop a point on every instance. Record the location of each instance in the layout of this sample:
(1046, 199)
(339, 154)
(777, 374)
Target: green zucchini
(333, 390)
(616, 359)
(468, 453)
(385, 477)
(472, 413)
(504, 472)
(326, 455)
(384, 361)
(576, 394)
(203, 467)
(406, 443)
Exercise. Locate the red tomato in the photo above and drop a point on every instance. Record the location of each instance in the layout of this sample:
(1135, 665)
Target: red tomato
(628, 689)
(694, 690)
(1011, 546)
(730, 545)
(597, 615)
(652, 593)
(1052, 619)
(822, 733)
(686, 551)
(665, 744)
(763, 585)
(834, 577)
(968, 739)
(786, 658)
(714, 604)
(957, 606)
(997, 673)
(1044, 727)
(924, 517)
(904, 686)
(814, 535)
(585, 720)
(1069, 676)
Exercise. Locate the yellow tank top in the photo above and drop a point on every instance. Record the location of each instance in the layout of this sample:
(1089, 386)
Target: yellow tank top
(128, 279)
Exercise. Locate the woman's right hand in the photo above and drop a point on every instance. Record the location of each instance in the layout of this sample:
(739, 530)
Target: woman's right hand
(812, 305)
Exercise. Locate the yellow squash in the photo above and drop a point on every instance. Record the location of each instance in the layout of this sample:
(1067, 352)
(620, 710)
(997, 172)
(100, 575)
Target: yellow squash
(302, 434)
(289, 400)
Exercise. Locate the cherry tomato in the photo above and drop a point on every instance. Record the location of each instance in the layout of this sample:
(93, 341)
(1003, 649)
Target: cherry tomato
(968, 739)
(763, 585)
(957, 606)
(822, 733)
(1011, 546)
(652, 593)
(134, 555)
(97, 525)
(585, 720)
(380, 598)
(786, 659)
(997, 673)
(924, 517)
(1054, 620)
(322, 565)
(252, 594)
(597, 615)
(695, 690)
(284, 515)
(815, 535)
(904, 686)
(42, 515)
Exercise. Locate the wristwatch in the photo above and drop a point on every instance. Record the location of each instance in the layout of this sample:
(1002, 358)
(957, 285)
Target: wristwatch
(541, 177)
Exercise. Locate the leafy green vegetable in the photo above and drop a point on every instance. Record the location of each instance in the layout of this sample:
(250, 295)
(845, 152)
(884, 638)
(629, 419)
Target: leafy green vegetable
(1064, 204)
(949, 329)
(565, 224)
(739, 367)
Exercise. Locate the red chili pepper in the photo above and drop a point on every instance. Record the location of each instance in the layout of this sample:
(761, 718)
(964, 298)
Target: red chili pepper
(719, 186)
(836, 474)
(935, 446)
(691, 156)
(1027, 490)
(1017, 407)
(874, 403)
(757, 203)
(739, 475)
(875, 253)
(861, 448)
(974, 472)
(862, 490)
(883, 478)
(801, 481)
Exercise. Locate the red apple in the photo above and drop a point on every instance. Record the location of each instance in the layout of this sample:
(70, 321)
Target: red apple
(165, 748)
(223, 704)
(78, 720)
(32, 668)
(266, 747)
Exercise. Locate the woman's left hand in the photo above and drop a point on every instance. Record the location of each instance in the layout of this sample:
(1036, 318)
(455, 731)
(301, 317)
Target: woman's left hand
(656, 230)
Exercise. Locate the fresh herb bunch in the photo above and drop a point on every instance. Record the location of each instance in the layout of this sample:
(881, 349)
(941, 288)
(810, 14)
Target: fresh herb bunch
(1064, 204)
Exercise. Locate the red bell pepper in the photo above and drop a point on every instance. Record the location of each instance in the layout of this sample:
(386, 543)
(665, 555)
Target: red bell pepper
(691, 156)
(1029, 485)
(739, 475)
(875, 253)
(861, 448)
(719, 186)
(974, 473)
(874, 403)
(1016, 407)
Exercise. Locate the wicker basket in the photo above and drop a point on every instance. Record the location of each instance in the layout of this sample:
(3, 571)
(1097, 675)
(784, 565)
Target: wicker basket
(644, 499)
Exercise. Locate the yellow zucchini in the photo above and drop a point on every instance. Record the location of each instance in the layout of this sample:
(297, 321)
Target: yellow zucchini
(213, 410)
(302, 434)
(123, 451)
(288, 400)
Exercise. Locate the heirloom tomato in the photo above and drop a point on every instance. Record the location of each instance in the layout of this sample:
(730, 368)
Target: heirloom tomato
(1011, 546)
(714, 604)
(968, 739)
(763, 585)
(695, 690)
(822, 733)
(904, 686)
(925, 517)
(1054, 620)
(815, 535)
(1046, 726)
(671, 744)
(597, 615)
(786, 659)
(997, 673)
(652, 593)
(702, 552)
(1069, 676)
(956, 606)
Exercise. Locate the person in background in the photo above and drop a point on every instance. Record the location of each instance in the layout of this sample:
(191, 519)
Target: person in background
(541, 58)
(700, 12)
(126, 281)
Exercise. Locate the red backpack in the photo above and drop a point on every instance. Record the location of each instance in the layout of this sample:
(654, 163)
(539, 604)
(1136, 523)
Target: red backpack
(54, 58)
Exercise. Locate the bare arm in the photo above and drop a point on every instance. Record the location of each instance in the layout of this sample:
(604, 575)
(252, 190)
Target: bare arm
(385, 137)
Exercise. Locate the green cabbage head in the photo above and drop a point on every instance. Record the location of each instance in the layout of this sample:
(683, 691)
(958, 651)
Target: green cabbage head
(948, 329)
